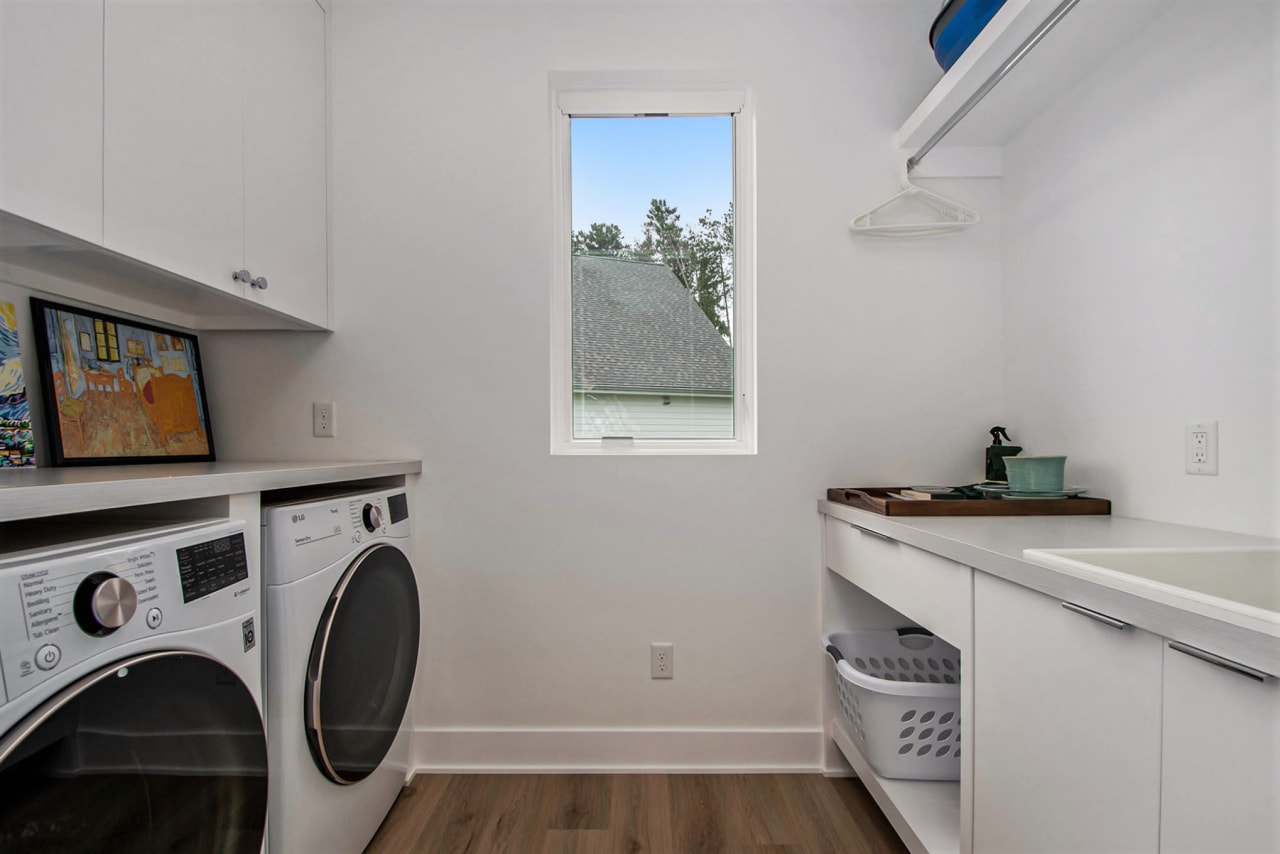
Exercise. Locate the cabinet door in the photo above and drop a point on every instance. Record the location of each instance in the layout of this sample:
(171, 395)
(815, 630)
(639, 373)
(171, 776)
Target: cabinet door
(1220, 776)
(173, 142)
(51, 113)
(1066, 727)
(285, 166)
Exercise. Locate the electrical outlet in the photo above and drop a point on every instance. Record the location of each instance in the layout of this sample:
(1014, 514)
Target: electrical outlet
(662, 661)
(323, 421)
(1202, 448)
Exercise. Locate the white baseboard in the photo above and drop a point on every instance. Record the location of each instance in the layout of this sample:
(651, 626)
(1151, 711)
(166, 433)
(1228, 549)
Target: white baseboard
(617, 750)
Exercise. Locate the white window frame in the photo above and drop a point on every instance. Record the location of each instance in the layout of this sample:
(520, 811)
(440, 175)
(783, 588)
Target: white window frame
(599, 94)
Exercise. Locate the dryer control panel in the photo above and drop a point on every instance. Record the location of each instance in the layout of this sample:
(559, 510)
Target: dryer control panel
(65, 606)
(302, 538)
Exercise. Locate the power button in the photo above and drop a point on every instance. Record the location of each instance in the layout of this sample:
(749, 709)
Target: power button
(48, 656)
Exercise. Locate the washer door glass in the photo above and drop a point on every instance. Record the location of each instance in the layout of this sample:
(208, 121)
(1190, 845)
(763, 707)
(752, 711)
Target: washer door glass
(362, 665)
(160, 752)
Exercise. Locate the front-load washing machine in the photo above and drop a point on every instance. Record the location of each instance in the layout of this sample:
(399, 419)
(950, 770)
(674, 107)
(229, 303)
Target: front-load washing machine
(340, 649)
(131, 716)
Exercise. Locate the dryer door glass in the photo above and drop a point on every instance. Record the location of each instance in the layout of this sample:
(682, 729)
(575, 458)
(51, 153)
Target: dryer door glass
(362, 664)
(161, 752)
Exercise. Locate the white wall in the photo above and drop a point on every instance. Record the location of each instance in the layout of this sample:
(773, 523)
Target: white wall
(1141, 272)
(547, 578)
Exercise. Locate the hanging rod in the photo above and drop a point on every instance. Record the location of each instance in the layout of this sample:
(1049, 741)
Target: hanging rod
(1032, 40)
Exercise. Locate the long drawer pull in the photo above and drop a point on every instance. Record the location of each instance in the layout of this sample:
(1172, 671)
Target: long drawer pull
(1094, 615)
(1219, 661)
(876, 534)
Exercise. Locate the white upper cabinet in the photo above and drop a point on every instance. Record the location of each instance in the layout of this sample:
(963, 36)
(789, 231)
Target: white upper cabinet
(152, 150)
(173, 141)
(51, 113)
(285, 168)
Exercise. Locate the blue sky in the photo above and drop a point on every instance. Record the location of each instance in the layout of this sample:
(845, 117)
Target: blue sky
(619, 164)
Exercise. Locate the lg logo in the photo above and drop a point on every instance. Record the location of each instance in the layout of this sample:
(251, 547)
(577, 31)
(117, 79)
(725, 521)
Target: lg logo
(299, 517)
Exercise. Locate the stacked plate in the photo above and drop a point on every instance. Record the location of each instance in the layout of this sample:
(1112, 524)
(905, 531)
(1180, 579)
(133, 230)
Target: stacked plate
(998, 490)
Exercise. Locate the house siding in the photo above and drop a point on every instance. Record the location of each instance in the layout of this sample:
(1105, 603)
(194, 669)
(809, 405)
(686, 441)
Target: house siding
(601, 413)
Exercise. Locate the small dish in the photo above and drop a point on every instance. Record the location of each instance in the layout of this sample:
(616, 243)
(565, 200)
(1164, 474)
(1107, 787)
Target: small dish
(934, 490)
(1068, 492)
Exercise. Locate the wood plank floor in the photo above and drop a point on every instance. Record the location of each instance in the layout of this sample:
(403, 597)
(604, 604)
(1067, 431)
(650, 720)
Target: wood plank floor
(607, 813)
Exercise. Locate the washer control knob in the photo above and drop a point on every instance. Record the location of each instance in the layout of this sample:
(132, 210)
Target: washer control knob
(103, 603)
(372, 518)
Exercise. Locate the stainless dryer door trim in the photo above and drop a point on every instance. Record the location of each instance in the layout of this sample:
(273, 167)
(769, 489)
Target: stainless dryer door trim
(320, 656)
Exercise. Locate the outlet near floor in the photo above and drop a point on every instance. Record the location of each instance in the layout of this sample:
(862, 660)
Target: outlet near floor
(662, 661)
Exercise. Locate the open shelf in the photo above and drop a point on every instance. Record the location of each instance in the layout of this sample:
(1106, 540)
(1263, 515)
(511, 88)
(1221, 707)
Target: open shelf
(1091, 31)
(925, 813)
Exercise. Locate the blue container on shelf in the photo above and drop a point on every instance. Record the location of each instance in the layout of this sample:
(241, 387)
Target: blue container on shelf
(957, 25)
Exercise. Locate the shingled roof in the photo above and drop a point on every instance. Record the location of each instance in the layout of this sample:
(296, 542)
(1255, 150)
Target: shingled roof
(636, 327)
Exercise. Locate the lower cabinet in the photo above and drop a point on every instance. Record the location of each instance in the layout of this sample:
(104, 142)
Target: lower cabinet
(1220, 775)
(1066, 727)
(1082, 732)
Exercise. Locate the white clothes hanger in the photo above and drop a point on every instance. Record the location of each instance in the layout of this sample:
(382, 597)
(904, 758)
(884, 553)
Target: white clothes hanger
(952, 216)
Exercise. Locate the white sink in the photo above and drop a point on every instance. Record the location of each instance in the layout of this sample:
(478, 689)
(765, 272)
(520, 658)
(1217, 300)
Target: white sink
(1242, 576)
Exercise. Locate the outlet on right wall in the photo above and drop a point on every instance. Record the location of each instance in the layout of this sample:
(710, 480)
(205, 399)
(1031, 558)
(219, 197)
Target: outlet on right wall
(1141, 270)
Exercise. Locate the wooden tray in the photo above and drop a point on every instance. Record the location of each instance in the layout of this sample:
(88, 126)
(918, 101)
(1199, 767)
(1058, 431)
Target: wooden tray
(876, 500)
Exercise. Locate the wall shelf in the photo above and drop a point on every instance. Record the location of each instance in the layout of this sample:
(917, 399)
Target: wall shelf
(925, 813)
(1092, 31)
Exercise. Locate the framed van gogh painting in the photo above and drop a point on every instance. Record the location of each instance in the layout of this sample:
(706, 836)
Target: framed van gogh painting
(119, 391)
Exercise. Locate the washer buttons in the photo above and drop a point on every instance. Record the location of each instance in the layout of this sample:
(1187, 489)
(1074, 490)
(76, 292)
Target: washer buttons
(153, 618)
(48, 656)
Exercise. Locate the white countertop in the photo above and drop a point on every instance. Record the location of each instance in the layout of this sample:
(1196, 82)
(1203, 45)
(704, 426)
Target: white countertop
(31, 493)
(995, 545)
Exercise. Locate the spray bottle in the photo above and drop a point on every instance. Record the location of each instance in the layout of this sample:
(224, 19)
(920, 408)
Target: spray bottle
(996, 452)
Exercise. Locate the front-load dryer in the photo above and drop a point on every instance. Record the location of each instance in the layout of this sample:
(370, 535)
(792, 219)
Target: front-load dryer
(131, 717)
(340, 648)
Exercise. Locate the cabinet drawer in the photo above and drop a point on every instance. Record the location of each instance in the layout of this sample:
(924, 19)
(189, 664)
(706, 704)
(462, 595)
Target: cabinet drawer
(935, 592)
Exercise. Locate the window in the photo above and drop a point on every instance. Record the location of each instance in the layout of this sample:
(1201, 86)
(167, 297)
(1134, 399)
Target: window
(104, 334)
(652, 282)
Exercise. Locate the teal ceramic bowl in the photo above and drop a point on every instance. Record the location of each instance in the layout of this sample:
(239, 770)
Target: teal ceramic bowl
(1035, 474)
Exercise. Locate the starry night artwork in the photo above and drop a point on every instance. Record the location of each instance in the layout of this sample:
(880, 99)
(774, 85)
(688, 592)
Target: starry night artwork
(16, 445)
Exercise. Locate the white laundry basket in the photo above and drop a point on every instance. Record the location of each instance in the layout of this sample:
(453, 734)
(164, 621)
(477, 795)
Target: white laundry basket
(899, 693)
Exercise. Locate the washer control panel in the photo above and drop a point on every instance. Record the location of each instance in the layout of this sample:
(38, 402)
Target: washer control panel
(63, 607)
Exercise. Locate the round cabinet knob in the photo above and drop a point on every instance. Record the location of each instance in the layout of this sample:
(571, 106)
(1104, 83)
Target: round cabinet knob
(260, 283)
(372, 518)
(103, 603)
(242, 276)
